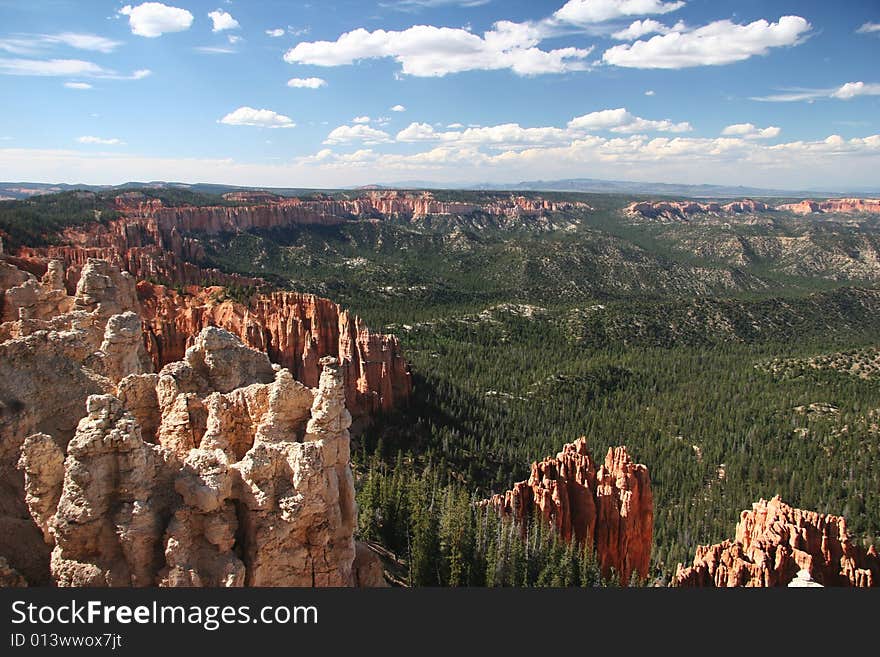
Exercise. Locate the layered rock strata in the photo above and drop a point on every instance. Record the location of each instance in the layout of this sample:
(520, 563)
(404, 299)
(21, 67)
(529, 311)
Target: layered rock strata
(609, 508)
(776, 545)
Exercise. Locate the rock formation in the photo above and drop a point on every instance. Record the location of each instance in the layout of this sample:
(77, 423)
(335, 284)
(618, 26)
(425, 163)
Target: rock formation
(222, 469)
(263, 497)
(610, 508)
(774, 542)
(841, 205)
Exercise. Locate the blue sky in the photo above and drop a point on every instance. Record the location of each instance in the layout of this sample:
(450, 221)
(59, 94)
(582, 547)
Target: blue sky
(326, 94)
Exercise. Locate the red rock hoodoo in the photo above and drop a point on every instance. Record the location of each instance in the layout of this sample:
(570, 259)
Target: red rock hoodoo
(610, 507)
(775, 541)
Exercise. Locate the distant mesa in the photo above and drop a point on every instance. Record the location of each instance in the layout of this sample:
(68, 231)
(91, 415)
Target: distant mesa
(842, 205)
(681, 211)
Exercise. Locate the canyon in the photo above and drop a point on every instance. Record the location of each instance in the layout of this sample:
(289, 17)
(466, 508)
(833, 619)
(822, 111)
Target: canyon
(607, 508)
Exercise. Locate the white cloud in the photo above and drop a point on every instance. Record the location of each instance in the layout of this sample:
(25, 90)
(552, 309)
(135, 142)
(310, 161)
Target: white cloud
(583, 12)
(345, 134)
(621, 120)
(215, 50)
(415, 5)
(428, 51)
(846, 91)
(638, 29)
(853, 89)
(278, 32)
(64, 67)
(262, 118)
(153, 19)
(398, 108)
(99, 140)
(513, 137)
(222, 21)
(721, 42)
(78, 85)
(869, 28)
(306, 83)
(650, 92)
(36, 43)
(750, 131)
(361, 119)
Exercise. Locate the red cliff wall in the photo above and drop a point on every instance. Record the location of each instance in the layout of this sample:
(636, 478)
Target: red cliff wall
(295, 330)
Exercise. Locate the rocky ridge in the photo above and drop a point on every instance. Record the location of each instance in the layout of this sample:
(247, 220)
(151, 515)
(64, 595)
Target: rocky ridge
(608, 508)
(774, 542)
(682, 211)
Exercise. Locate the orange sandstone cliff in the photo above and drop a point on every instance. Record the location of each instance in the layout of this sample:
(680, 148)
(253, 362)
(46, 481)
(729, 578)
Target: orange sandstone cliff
(609, 507)
(842, 205)
(295, 330)
(775, 542)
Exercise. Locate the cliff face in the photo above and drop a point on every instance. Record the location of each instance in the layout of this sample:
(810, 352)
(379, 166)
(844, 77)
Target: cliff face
(774, 542)
(609, 507)
(842, 205)
(220, 470)
(687, 210)
(295, 330)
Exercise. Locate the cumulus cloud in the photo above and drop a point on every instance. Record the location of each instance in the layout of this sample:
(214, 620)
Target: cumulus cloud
(428, 51)
(398, 108)
(516, 137)
(361, 119)
(846, 91)
(346, 134)
(99, 140)
(306, 83)
(853, 89)
(261, 118)
(750, 131)
(638, 29)
(584, 12)
(222, 20)
(720, 42)
(78, 85)
(830, 162)
(278, 32)
(621, 120)
(869, 28)
(153, 19)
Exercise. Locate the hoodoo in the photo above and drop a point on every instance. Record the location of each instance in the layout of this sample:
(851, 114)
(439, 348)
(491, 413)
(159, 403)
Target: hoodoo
(609, 507)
